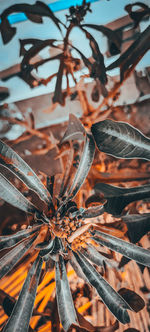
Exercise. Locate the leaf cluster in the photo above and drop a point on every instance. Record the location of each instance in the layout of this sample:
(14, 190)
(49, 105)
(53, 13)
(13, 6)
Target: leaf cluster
(70, 234)
(68, 63)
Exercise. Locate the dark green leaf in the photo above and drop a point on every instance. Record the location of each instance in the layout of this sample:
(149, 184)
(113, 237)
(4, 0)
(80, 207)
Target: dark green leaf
(77, 268)
(133, 54)
(43, 8)
(138, 225)
(84, 165)
(27, 41)
(8, 261)
(95, 95)
(134, 300)
(66, 308)
(127, 249)
(93, 255)
(48, 249)
(10, 194)
(93, 211)
(86, 156)
(4, 93)
(11, 160)
(137, 16)
(109, 296)
(67, 176)
(11, 240)
(37, 46)
(34, 18)
(117, 197)
(98, 67)
(34, 13)
(75, 130)
(7, 31)
(8, 303)
(124, 260)
(113, 36)
(59, 96)
(121, 140)
(21, 314)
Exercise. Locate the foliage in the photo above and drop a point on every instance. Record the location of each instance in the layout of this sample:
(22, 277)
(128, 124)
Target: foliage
(60, 232)
(63, 232)
(68, 63)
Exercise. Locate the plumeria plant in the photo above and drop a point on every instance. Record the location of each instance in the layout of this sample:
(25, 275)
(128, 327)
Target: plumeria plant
(70, 58)
(65, 233)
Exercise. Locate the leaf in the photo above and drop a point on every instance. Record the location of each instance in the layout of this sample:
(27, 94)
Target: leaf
(134, 300)
(9, 260)
(93, 255)
(86, 157)
(132, 251)
(112, 36)
(133, 54)
(138, 225)
(66, 180)
(109, 296)
(124, 260)
(137, 16)
(11, 160)
(27, 41)
(58, 94)
(121, 140)
(95, 95)
(7, 31)
(22, 312)
(27, 77)
(77, 268)
(117, 197)
(48, 249)
(11, 240)
(52, 250)
(118, 229)
(92, 212)
(94, 200)
(26, 73)
(84, 165)
(34, 18)
(8, 303)
(98, 67)
(75, 130)
(65, 304)
(33, 12)
(10, 194)
(34, 49)
(4, 93)
(48, 12)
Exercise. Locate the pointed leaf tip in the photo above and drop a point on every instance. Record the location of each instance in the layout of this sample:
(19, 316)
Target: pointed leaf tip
(11, 160)
(115, 303)
(66, 308)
